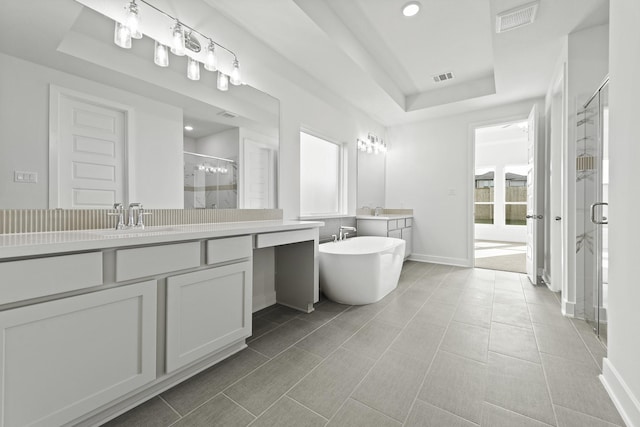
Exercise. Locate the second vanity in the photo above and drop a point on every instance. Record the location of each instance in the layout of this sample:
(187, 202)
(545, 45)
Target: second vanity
(387, 225)
(97, 321)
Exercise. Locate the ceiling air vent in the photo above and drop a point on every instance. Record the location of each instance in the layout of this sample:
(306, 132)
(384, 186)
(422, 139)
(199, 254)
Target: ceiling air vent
(517, 17)
(228, 114)
(442, 77)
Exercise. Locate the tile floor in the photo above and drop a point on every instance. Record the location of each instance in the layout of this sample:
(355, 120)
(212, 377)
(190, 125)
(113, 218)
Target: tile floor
(505, 256)
(449, 347)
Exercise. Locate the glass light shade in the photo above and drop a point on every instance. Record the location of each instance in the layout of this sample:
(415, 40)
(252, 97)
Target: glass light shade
(122, 36)
(161, 55)
(235, 74)
(211, 62)
(193, 69)
(177, 44)
(223, 81)
(132, 20)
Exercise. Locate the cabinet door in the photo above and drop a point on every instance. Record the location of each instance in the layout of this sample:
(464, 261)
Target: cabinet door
(397, 234)
(408, 238)
(206, 311)
(64, 358)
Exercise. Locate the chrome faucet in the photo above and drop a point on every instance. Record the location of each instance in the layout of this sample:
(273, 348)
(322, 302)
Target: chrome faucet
(141, 214)
(132, 207)
(378, 210)
(343, 231)
(120, 214)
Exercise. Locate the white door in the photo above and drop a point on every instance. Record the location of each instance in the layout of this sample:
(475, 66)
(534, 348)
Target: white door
(556, 254)
(532, 199)
(91, 151)
(259, 175)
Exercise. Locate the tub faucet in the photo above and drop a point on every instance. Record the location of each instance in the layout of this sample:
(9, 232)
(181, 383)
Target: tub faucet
(343, 231)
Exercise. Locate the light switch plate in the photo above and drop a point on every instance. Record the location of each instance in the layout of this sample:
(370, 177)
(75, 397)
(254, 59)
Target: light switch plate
(25, 177)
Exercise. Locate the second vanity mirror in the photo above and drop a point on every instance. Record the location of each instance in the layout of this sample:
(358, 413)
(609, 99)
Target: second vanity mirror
(371, 179)
(85, 123)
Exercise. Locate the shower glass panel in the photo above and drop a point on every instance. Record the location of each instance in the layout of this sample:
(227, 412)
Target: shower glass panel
(592, 171)
(210, 182)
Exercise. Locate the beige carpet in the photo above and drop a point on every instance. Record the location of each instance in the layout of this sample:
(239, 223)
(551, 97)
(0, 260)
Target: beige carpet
(504, 256)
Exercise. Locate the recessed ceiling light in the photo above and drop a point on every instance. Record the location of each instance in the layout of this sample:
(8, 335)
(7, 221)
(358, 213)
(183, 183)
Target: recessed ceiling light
(188, 128)
(411, 8)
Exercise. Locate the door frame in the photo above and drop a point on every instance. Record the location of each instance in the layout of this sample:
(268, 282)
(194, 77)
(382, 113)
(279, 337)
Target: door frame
(56, 94)
(471, 164)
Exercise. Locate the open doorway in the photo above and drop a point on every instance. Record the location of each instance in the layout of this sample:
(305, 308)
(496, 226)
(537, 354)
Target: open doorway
(500, 196)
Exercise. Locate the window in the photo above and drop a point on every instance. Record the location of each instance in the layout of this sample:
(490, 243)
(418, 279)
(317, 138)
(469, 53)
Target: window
(515, 195)
(484, 196)
(320, 176)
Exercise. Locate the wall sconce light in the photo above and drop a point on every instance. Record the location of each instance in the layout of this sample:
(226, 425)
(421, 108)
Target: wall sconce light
(373, 144)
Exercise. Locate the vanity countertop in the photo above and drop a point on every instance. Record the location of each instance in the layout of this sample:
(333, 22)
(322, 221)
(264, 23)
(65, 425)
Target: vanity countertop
(33, 244)
(385, 217)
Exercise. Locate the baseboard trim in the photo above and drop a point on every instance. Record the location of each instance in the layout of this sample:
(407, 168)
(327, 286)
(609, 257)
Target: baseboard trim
(458, 262)
(622, 397)
(568, 308)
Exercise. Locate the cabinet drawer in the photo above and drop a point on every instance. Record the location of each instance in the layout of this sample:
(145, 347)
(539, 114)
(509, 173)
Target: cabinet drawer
(222, 250)
(142, 262)
(408, 222)
(207, 310)
(392, 224)
(266, 240)
(33, 278)
(395, 233)
(62, 359)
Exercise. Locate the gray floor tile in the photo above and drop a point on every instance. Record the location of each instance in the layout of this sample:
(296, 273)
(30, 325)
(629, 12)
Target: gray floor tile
(392, 384)
(399, 311)
(514, 341)
(467, 340)
(541, 296)
(426, 415)
(595, 346)
(435, 313)
(576, 386)
(456, 384)
(547, 315)
(471, 314)
(419, 340)
(324, 389)
(355, 414)
(502, 296)
(288, 413)
(261, 388)
(563, 342)
(569, 418)
(494, 416)
(509, 285)
(285, 336)
(515, 314)
(198, 389)
(519, 386)
(373, 339)
(152, 413)
(418, 294)
(219, 411)
(261, 327)
(323, 312)
(477, 298)
(326, 339)
(447, 295)
(280, 314)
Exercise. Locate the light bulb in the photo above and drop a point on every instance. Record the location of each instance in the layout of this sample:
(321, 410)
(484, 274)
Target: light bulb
(211, 62)
(223, 81)
(132, 20)
(193, 69)
(122, 36)
(177, 45)
(161, 55)
(235, 74)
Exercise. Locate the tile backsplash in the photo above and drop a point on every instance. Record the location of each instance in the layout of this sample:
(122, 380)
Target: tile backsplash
(332, 226)
(42, 220)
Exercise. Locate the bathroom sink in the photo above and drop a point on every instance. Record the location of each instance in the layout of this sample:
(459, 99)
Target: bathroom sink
(133, 231)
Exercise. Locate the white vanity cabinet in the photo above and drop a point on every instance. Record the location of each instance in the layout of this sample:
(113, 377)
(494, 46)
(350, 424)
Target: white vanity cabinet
(63, 358)
(207, 310)
(387, 226)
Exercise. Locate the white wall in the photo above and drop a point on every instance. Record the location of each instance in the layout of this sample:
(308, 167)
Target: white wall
(622, 370)
(498, 156)
(190, 144)
(225, 144)
(430, 169)
(24, 135)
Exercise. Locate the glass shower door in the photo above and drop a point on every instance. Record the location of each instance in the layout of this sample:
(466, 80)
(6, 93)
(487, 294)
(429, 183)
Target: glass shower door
(592, 173)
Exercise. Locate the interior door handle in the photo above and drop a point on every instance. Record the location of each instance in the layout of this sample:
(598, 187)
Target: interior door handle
(558, 218)
(593, 213)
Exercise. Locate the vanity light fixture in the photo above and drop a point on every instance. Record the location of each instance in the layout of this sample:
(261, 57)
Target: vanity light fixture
(373, 144)
(411, 8)
(193, 69)
(183, 42)
(223, 81)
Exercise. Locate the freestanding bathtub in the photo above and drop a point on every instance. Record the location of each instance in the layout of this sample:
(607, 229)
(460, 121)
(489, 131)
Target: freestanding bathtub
(360, 270)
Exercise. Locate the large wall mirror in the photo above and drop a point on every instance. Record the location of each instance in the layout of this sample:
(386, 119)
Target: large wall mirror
(371, 179)
(85, 123)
